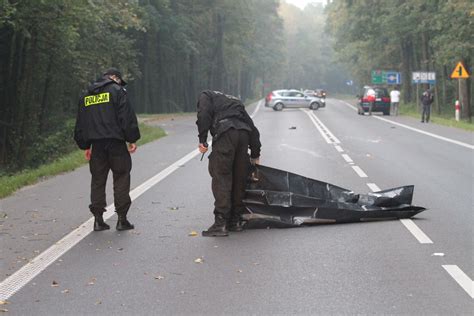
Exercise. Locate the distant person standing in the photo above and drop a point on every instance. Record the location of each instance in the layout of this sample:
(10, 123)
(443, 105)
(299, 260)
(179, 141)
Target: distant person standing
(394, 101)
(426, 100)
(105, 124)
(371, 95)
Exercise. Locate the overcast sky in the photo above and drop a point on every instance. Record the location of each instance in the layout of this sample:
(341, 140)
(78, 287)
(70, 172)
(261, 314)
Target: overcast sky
(302, 3)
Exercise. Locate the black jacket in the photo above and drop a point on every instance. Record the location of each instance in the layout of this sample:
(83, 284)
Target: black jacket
(218, 113)
(104, 112)
(426, 98)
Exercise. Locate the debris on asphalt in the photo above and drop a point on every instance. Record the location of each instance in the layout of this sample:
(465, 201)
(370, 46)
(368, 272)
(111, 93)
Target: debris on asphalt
(293, 127)
(92, 281)
(55, 284)
(199, 260)
(438, 254)
(193, 233)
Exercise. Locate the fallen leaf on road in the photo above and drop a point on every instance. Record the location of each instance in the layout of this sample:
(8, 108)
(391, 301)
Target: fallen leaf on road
(65, 291)
(193, 233)
(174, 208)
(239, 271)
(199, 260)
(3, 310)
(3, 302)
(92, 281)
(55, 284)
(98, 302)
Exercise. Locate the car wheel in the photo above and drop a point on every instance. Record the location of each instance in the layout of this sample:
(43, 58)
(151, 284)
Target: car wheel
(386, 112)
(314, 106)
(278, 107)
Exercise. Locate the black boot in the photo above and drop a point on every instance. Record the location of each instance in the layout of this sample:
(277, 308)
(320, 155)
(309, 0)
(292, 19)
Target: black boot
(99, 223)
(123, 223)
(218, 229)
(236, 226)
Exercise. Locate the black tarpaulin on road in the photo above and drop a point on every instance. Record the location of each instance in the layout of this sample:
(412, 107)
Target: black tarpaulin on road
(277, 198)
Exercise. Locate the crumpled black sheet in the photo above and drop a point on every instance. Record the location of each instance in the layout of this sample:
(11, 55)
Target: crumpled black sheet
(277, 198)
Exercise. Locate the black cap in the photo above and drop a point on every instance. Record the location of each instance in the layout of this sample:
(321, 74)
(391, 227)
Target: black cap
(115, 72)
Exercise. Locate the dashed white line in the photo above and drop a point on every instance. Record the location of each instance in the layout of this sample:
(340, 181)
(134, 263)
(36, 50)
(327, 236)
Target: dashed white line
(339, 148)
(408, 223)
(416, 231)
(373, 187)
(461, 278)
(454, 271)
(359, 172)
(347, 158)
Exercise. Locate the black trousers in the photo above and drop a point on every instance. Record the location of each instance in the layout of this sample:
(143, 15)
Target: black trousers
(229, 165)
(425, 114)
(110, 155)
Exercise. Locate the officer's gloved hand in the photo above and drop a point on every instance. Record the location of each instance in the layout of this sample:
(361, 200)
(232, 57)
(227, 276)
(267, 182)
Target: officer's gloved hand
(255, 161)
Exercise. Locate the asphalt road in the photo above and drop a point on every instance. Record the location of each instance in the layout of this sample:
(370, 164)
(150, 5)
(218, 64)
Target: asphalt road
(360, 268)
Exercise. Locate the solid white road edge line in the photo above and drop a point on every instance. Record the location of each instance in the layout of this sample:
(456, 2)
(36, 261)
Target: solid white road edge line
(415, 129)
(20, 278)
(25, 274)
(461, 278)
(408, 223)
(359, 172)
(416, 231)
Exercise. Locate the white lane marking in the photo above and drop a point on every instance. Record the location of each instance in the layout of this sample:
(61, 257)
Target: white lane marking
(347, 158)
(339, 148)
(373, 187)
(25, 274)
(259, 104)
(359, 171)
(408, 223)
(416, 231)
(461, 278)
(323, 130)
(416, 129)
(319, 129)
(16, 281)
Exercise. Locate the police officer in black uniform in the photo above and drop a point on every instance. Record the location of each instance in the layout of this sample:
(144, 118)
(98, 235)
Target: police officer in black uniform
(233, 133)
(105, 123)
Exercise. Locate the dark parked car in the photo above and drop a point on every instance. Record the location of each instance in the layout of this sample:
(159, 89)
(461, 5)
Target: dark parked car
(382, 101)
(321, 93)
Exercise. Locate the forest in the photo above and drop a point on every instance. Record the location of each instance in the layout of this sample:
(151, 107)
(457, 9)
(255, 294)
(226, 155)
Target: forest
(170, 50)
(407, 36)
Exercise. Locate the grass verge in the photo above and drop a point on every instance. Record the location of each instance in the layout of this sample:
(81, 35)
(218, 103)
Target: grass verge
(411, 110)
(69, 162)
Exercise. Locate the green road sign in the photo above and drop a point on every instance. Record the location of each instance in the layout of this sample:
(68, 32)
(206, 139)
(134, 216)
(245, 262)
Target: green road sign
(378, 76)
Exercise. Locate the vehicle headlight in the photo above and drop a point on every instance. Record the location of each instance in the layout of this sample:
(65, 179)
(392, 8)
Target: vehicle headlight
(322, 100)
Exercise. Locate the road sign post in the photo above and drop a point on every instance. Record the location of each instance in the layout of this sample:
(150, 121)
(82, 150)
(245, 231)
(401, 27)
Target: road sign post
(459, 73)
